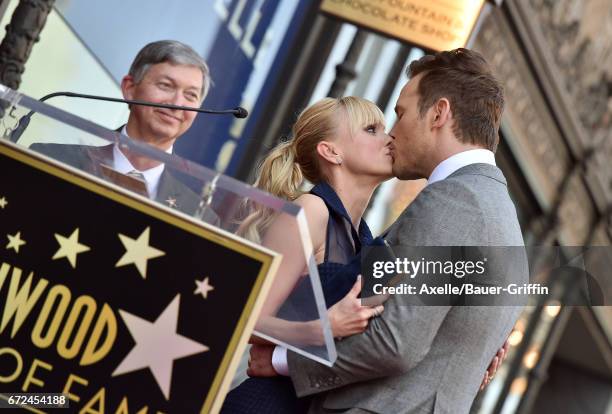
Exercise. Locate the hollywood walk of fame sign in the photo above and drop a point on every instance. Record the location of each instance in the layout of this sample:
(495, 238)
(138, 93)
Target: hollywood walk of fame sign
(116, 302)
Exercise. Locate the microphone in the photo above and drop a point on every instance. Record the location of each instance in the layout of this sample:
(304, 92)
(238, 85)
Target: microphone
(240, 112)
(23, 123)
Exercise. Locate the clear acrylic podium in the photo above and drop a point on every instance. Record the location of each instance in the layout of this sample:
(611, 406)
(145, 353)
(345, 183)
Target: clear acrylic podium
(185, 188)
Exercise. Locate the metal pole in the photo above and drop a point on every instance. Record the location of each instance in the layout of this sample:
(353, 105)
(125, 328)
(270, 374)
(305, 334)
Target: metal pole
(394, 73)
(346, 71)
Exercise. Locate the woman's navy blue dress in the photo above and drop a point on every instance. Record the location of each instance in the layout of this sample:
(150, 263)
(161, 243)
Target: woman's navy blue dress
(338, 273)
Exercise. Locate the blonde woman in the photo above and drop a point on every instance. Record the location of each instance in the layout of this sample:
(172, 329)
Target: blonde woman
(341, 147)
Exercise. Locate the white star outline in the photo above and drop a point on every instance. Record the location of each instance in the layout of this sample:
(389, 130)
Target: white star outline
(203, 287)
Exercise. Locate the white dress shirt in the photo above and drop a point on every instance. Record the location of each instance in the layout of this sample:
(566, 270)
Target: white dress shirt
(460, 160)
(442, 171)
(151, 176)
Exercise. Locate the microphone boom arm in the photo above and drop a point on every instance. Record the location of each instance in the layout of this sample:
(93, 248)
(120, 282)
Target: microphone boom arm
(234, 111)
(238, 112)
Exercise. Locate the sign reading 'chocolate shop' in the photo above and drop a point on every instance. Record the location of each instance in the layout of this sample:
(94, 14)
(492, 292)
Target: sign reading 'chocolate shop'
(434, 24)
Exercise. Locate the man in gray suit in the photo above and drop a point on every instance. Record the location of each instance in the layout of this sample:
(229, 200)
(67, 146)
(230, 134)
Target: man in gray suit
(168, 72)
(428, 359)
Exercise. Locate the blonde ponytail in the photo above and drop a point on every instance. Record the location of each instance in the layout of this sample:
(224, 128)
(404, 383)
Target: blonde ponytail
(284, 169)
(280, 175)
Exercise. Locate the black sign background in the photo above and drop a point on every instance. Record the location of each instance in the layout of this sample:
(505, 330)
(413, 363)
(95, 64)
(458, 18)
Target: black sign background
(41, 204)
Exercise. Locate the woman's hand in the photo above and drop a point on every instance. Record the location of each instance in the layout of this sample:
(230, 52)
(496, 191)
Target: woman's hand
(349, 317)
(494, 365)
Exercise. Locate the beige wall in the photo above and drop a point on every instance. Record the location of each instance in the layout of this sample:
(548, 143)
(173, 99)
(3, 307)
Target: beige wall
(60, 62)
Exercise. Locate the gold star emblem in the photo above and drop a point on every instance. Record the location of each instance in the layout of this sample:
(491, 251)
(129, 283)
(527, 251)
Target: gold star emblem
(171, 202)
(203, 287)
(69, 247)
(138, 252)
(15, 242)
(3, 202)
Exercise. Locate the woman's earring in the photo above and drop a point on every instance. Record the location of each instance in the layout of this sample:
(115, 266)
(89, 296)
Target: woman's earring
(339, 160)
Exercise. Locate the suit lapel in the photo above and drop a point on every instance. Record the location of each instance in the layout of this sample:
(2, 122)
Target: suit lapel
(175, 194)
(166, 191)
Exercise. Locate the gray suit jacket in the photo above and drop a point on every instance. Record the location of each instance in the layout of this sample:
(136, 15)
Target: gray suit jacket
(426, 359)
(89, 158)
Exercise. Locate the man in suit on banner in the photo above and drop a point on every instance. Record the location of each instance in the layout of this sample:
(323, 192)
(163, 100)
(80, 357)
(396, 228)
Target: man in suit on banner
(427, 359)
(168, 72)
